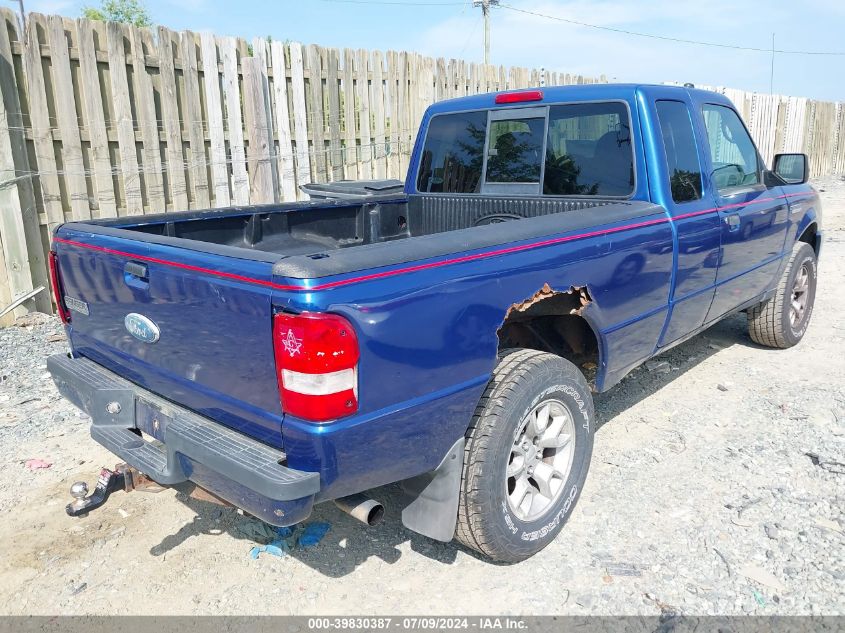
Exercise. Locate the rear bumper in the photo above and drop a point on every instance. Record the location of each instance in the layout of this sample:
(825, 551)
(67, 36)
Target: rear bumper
(189, 447)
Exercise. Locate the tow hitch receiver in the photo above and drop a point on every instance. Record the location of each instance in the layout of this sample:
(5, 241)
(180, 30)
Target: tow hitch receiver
(123, 477)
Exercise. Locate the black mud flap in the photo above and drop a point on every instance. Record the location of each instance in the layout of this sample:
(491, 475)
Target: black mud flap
(433, 507)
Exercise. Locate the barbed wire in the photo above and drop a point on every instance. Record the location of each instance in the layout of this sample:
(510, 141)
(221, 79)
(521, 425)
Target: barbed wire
(294, 157)
(161, 124)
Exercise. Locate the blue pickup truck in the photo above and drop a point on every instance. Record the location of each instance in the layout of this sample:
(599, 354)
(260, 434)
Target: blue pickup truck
(446, 338)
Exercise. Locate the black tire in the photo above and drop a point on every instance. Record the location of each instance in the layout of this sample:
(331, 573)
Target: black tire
(769, 323)
(522, 380)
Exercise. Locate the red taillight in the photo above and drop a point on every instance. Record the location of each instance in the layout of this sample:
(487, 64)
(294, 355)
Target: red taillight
(316, 365)
(56, 282)
(519, 97)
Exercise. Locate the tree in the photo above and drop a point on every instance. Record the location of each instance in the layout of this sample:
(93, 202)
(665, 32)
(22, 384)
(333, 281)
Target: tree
(128, 11)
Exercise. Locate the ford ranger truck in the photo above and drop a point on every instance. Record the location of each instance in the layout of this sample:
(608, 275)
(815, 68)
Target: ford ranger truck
(447, 337)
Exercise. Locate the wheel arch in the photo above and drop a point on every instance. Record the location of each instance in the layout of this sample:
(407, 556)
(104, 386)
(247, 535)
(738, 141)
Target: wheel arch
(806, 225)
(809, 235)
(561, 323)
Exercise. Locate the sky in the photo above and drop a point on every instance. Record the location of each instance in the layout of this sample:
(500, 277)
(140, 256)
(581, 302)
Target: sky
(451, 28)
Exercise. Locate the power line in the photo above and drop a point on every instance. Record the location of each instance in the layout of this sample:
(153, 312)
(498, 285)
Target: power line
(469, 37)
(403, 139)
(399, 3)
(666, 38)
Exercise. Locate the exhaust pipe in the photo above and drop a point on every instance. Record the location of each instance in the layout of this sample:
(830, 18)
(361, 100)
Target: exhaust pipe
(361, 507)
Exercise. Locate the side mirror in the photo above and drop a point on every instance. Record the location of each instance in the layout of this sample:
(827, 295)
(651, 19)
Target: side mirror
(793, 169)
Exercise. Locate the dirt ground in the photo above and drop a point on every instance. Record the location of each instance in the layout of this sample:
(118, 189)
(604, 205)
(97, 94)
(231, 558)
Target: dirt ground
(717, 486)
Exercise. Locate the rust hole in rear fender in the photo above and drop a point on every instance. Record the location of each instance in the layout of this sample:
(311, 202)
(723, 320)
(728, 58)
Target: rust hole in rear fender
(579, 296)
(552, 321)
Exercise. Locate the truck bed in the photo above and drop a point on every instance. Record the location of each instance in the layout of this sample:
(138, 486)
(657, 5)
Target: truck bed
(209, 280)
(302, 238)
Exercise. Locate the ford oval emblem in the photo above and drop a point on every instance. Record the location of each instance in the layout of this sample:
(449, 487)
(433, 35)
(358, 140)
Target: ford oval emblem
(141, 327)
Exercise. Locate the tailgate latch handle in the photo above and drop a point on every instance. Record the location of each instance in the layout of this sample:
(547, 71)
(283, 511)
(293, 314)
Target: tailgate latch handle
(136, 269)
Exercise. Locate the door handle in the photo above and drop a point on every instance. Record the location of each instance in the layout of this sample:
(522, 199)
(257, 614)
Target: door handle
(136, 269)
(136, 275)
(733, 221)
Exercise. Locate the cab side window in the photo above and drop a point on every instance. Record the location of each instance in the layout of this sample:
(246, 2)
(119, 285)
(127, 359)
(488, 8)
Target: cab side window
(732, 151)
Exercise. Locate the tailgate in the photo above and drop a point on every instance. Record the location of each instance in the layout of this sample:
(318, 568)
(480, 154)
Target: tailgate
(193, 327)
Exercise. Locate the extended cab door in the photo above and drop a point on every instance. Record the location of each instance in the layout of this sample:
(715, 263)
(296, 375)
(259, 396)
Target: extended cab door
(676, 182)
(754, 217)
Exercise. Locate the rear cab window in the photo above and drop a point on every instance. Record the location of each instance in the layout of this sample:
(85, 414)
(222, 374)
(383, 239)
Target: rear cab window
(579, 149)
(515, 151)
(589, 151)
(453, 153)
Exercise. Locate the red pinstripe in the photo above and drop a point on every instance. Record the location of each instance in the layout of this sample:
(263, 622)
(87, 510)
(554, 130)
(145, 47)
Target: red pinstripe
(197, 269)
(428, 265)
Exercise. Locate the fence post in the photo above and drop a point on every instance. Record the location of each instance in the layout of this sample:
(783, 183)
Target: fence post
(23, 253)
(317, 128)
(194, 122)
(261, 186)
(39, 118)
(214, 116)
(147, 122)
(335, 156)
(129, 170)
(362, 69)
(74, 166)
(300, 114)
(285, 159)
(177, 178)
(106, 201)
(232, 97)
(5, 293)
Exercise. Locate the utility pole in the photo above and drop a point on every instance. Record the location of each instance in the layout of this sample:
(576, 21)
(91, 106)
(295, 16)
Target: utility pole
(23, 14)
(772, 72)
(485, 12)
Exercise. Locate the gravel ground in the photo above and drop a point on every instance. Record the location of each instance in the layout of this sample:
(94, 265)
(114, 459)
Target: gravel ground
(717, 487)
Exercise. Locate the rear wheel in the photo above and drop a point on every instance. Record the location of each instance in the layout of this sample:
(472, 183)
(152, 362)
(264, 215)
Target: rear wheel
(527, 455)
(782, 320)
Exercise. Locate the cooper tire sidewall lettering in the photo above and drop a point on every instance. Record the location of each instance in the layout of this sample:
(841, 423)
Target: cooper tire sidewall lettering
(549, 528)
(548, 525)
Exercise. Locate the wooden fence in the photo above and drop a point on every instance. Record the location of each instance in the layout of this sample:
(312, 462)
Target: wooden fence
(102, 119)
